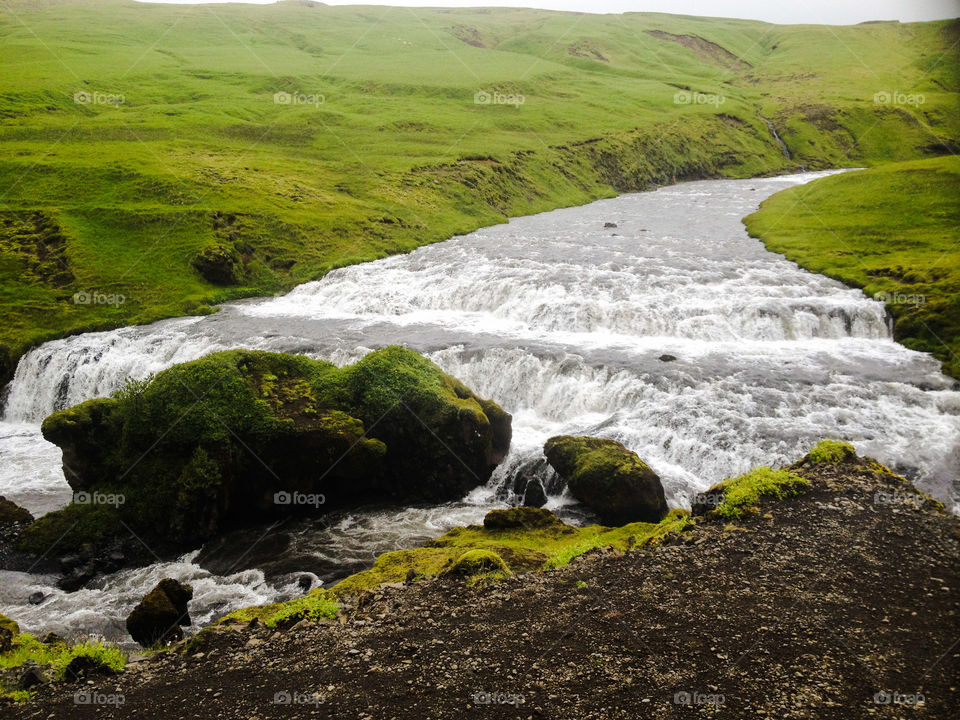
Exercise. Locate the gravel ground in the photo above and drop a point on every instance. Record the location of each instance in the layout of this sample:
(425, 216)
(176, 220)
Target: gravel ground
(841, 603)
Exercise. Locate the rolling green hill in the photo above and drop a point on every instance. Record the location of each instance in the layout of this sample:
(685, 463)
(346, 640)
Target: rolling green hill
(160, 158)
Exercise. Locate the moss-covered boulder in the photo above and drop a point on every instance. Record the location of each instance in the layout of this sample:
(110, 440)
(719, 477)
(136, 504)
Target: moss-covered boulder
(830, 452)
(13, 514)
(240, 437)
(608, 478)
(9, 629)
(476, 562)
(519, 517)
(219, 263)
(158, 617)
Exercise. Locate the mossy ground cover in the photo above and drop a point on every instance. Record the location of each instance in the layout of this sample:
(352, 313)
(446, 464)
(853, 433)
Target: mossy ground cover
(475, 553)
(56, 657)
(893, 231)
(161, 158)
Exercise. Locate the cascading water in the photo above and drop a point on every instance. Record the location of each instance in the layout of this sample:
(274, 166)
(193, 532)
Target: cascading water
(673, 332)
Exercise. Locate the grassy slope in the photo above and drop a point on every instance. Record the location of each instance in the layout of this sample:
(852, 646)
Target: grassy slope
(894, 230)
(398, 154)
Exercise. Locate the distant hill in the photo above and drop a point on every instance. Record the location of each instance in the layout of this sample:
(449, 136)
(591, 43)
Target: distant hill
(159, 158)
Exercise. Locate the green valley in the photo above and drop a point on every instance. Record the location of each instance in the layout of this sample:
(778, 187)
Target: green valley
(158, 159)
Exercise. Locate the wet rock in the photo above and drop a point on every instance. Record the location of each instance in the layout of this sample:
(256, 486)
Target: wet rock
(667, 358)
(77, 578)
(338, 437)
(610, 225)
(519, 517)
(36, 598)
(608, 478)
(534, 495)
(157, 618)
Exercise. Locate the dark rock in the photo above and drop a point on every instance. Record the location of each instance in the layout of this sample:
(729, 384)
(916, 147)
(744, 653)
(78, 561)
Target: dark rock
(609, 224)
(519, 517)
(411, 576)
(534, 494)
(77, 578)
(305, 582)
(36, 598)
(609, 478)
(157, 618)
(9, 629)
(83, 667)
(51, 638)
(13, 514)
(667, 358)
(31, 677)
(392, 427)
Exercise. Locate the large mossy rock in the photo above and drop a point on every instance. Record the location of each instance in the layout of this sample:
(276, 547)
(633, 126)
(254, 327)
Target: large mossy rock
(240, 437)
(608, 478)
(13, 514)
(158, 617)
(9, 629)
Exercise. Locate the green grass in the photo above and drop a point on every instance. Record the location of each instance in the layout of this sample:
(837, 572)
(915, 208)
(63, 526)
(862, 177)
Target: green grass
(742, 492)
(893, 231)
(121, 199)
(57, 656)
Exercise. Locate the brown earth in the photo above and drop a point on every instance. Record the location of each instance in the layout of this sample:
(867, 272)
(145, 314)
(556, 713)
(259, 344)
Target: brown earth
(806, 609)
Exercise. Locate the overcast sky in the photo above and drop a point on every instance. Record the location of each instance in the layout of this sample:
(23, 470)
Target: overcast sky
(836, 12)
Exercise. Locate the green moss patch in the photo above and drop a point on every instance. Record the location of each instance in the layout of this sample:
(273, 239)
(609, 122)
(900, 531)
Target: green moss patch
(60, 658)
(832, 452)
(741, 493)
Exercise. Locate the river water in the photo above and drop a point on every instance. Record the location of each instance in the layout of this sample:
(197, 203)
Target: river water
(673, 332)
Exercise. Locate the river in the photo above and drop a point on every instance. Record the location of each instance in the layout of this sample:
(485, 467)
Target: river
(651, 318)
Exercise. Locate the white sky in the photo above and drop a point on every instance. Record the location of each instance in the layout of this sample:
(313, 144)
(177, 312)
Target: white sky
(834, 12)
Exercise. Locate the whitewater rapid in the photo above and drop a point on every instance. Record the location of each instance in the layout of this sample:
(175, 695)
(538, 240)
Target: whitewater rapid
(652, 318)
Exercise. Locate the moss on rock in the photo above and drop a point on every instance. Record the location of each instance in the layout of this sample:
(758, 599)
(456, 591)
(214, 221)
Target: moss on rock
(13, 514)
(519, 517)
(608, 477)
(737, 496)
(833, 452)
(475, 562)
(238, 437)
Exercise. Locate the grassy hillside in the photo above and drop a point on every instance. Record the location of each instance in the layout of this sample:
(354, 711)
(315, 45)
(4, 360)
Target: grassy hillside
(892, 230)
(160, 158)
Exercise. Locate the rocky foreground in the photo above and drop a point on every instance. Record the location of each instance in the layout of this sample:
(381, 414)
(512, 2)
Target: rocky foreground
(842, 602)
